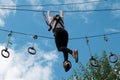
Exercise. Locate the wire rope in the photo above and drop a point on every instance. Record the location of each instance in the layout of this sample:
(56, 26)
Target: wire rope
(27, 34)
(62, 4)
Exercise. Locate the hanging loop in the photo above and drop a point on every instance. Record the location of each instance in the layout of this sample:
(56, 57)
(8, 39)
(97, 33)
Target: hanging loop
(5, 53)
(113, 56)
(93, 62)
(32, 50)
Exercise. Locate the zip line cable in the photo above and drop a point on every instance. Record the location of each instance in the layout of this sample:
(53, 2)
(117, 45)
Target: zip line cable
(62, 4)
(66, 11)
(26, 34)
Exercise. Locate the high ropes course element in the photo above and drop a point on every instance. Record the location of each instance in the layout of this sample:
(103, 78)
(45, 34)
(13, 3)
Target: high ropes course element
(113, 58)
(72, 38)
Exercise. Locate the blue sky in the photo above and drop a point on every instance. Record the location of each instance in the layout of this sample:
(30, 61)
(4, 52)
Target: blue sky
(47, 63)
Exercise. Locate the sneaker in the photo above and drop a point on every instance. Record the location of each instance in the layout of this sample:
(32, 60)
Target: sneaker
(67, 65)
(75, 55)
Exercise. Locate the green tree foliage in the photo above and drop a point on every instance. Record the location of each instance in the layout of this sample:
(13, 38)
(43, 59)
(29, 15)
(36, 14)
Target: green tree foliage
(105, 71)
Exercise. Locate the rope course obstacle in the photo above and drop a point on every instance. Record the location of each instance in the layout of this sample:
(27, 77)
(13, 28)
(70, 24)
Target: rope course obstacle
(32, 50)
(113, 58)
(5, 53)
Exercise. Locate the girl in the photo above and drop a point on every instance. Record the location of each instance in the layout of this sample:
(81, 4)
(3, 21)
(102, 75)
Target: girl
(61, 35)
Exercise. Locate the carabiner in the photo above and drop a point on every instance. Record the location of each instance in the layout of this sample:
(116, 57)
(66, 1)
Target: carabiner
(5, 53)
(32, 50)
(93, 62)
(113, 56)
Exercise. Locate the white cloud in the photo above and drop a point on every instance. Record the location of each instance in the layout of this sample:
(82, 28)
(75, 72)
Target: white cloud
(23, 66)
(116, 6)
(112, 30)
(4, 13)
(39, 2)
(85, 6)
(35, 2)
(2, 23)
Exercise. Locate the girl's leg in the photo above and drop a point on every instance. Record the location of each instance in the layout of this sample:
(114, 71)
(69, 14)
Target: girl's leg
(61, 40)
(65, 55)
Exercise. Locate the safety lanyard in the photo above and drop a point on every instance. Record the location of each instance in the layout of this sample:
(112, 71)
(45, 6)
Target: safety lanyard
(58, 21)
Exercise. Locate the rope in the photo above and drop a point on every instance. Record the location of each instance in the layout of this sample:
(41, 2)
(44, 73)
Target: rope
(93, 36)
(62, 4)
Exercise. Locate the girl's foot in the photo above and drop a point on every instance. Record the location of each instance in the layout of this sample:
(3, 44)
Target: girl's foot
(75, 55)
(67, 65)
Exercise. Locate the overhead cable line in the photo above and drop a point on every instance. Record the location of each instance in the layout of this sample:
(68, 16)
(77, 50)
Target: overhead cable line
(62, 4)
(66, 11)
(93, 36)
(26, 34)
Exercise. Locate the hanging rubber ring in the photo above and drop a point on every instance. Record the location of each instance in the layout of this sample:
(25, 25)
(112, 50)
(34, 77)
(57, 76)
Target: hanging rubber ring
(113, 56)
(5, 53)
(93, 62)
(32, 50)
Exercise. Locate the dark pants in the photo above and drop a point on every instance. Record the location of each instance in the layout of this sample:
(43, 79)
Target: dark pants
(61, 40)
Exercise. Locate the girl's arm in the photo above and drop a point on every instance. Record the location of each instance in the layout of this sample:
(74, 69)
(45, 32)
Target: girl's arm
(45, 18)
(47, 21)
(49, 17)
(61, 14)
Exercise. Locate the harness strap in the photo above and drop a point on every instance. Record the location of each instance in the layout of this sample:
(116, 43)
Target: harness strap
(60, 21)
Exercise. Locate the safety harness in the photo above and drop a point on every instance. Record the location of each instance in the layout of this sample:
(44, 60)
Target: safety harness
(58, 20)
